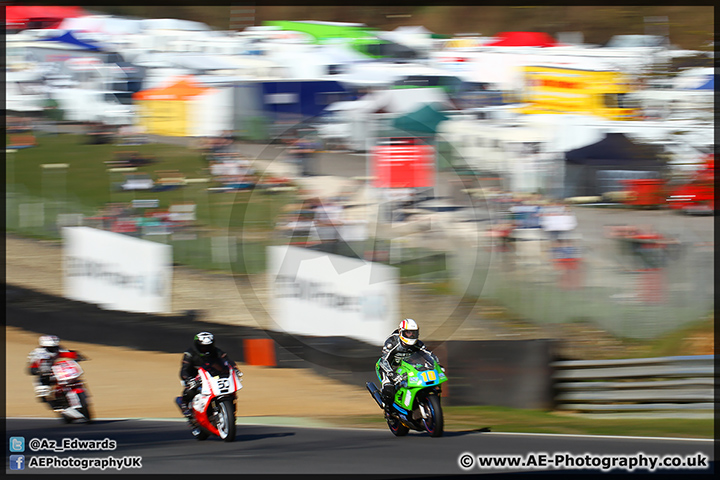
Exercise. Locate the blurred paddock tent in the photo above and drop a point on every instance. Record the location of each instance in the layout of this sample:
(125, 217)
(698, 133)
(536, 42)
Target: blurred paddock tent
(690, 91)
(601, 167)
(360, 37)
(22, 17)
(635, 41)
(183, 107)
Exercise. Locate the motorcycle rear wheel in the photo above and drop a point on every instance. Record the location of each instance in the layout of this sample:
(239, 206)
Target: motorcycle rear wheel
(396, 426)
(199, 434)
(85, 407)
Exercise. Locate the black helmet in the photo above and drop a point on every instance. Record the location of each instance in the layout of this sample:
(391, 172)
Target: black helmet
(204, 342)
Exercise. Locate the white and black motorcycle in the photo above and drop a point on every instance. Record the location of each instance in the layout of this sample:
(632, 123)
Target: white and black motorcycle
(213, 408)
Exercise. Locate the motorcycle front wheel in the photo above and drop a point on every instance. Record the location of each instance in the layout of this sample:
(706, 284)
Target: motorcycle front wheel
(225, 420)
(434, 423)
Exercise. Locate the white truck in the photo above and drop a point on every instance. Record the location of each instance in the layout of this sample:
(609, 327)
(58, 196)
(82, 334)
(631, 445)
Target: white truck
(89, 105)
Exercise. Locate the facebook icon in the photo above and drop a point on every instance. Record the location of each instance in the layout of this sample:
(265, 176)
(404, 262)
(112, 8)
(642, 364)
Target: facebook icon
(17, 462)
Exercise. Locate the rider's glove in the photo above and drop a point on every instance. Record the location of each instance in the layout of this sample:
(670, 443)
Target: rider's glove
(191, 383)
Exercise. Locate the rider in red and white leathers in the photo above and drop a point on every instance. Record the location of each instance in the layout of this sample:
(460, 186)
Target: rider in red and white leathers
(40, 362)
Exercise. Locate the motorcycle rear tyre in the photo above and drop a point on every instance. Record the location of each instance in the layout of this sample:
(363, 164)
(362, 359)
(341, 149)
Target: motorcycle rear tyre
(200, 435)
(396, 427)
(85, 407)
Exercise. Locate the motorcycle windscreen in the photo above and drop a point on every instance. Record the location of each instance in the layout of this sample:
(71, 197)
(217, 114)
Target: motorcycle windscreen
(421, 361)
(217, 367)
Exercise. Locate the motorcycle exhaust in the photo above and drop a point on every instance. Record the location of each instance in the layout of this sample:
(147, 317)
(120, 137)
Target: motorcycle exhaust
(375, 393)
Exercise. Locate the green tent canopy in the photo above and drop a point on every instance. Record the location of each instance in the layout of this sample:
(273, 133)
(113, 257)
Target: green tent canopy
(423, 120)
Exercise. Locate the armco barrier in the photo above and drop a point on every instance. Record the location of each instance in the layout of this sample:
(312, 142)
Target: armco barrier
(510, 373)
(663, 386)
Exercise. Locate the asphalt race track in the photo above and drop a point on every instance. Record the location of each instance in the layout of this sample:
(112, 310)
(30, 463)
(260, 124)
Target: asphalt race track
(166, 446)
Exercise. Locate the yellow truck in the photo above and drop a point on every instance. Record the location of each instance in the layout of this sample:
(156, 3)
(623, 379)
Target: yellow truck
(603, 93)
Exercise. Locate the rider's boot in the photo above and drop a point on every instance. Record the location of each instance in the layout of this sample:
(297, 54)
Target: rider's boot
(184, 408)
(388, 393)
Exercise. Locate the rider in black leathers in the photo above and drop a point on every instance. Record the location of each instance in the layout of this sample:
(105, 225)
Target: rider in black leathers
(203, 349)
(402, 343)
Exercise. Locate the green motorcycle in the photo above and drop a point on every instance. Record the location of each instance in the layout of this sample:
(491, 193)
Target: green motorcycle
(417, 400)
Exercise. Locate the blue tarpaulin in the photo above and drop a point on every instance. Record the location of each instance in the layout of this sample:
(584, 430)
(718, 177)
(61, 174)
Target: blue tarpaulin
(68, 37)
(709, 84)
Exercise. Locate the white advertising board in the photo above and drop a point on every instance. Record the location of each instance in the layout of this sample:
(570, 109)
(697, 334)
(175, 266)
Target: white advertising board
(320, 294)
(116, 272)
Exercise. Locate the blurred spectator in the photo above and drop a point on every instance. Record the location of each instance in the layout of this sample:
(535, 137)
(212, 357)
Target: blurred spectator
(213, 148)
(557, 220)
(233, 169)
(329, 213)
(99, 134)
(328, 220)
(298, 221)
(18, 125)
(503, 231)
(131, 135)
(647, 248)
(526, 214)
(303, 150)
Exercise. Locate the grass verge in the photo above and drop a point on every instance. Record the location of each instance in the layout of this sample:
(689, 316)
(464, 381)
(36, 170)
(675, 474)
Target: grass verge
(501, 419)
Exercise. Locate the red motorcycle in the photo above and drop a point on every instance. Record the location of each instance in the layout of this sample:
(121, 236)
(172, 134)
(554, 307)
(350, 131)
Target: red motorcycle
(213, 408)
(70, 398)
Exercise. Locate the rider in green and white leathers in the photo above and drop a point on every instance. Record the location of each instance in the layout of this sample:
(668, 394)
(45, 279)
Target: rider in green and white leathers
(402, 343)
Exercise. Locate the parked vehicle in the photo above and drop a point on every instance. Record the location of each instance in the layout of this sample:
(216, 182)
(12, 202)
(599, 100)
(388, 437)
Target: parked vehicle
(602, 93)
(696, 196)
(108, 107)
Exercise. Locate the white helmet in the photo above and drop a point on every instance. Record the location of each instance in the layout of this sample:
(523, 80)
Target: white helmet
(204, 342)
(49, 341)
(409, 331)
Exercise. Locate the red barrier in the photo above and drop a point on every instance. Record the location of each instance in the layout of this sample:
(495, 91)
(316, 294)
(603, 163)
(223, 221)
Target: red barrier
(260, 351)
